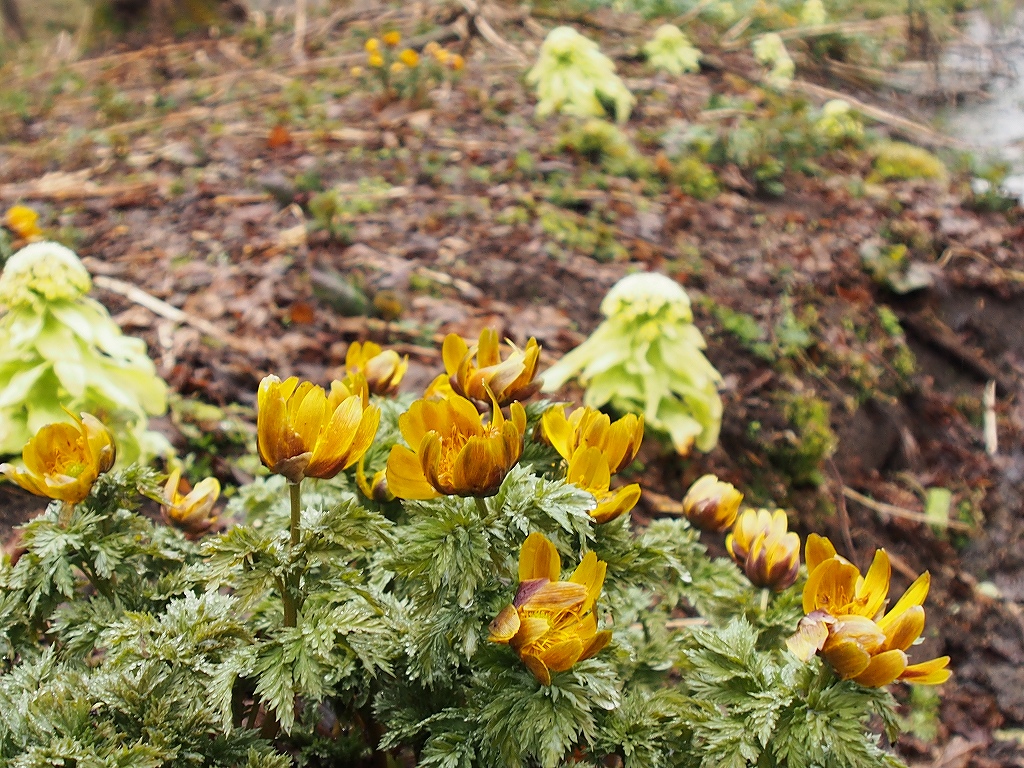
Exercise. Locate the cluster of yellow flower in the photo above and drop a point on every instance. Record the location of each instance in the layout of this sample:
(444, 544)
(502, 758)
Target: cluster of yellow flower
(383, 55)
(845, 620)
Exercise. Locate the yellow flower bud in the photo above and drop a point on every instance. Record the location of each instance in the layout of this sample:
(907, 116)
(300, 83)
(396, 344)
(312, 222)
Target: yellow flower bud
(431, 48)
(392, 38)
(23, 222)
(303, 432)
(397, 67)
(457, 62)
(63, 460)
(711, 504)
(375, 489)
(383, 369)
(442, 55)
(761, 546)
(375, 60)
(356, 71)
(551, 624)
(191, 512)
(372, 45)
(409, 57)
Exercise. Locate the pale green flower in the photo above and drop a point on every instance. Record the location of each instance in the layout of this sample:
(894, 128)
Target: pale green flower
(813, 13)
(838, 123)
(771, 51)
(42, 272)
(572, 76)
(646, 358)
(60, 349)
(670, 50)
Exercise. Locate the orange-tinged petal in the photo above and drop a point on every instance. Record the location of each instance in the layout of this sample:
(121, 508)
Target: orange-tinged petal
(557, 430)
(596, 644)
(847, 658)
(488, 348)
(915, 595)
(537, 667)
(479, 467)
(562, 655)
(531, 629)
(331, 447)
(619, 503)
(588, 469)
(363, 438)
(831, 586)
(453, 351)
(882, 669)
(310, 415)
(405, 475)
(931, 672)
(811, 635)
(504, 626)
(590, 573)
(555, 597)
(904, 629)
(429, 455)
(853, 628)
(101, 442)
(538, 559)
(817, 550)
(876, 585)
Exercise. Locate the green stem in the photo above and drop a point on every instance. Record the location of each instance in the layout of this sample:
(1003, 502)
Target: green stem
(481, 504)
(66, 510)
(765, 594)
(290, 590)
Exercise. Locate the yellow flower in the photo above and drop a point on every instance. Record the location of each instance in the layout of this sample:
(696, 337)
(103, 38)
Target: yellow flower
(392, 38)
(711, 504)
(375, 489)
(63, 460)
(431, 48)
(372, 45)
(587, 427)
(375, 60)
(588, 469)
(383, 369)
(397, 67)
(453, 452)
(356, 71)
(551, 624)
(23, 222)
(193, 511)
(457, 62)
(303, 432)
(477, 370)
(439, 389)
(761, 546)
(846, 625)
(409, 57)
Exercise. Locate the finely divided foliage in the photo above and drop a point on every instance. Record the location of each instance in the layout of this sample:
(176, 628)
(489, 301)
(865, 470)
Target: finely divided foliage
(500, 626)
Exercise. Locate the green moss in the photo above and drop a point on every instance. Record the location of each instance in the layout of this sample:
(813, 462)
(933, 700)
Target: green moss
(695, 178)
(899, 160)
(603, 143)
(809, 441)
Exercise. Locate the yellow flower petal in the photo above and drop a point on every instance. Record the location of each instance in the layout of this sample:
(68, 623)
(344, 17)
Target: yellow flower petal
(847, 658)
(876, 585)
(537, 667)
(831, 586)
(817, 550)
(882, 669)
(453, 352)
(904, 629)
(505, 625)
(596, 644)
(617, 504)
(562, 655)
(932, 672)
(405, 475)
(538, 559)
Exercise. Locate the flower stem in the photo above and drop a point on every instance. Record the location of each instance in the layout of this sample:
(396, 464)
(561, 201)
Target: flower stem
(290, 590)
(66, 510)
(765, 594)
(481, 505)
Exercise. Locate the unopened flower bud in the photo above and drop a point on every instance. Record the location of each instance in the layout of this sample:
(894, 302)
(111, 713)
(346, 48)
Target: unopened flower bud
(711, 504)
(762, 547)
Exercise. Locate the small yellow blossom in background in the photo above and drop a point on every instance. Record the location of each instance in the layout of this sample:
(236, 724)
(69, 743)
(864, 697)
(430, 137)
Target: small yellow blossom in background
(392, 38)
(62, 461)
(456, 62)
(301, 431)
(375, 60)
(23, 222)
(453, 453)
(439, 389)
(762, 547)
(442, 55)
(478, 372)
(588, 469)
(191, 512)
(383, 369)
(711, 504)
(397, 67)
(356, 71)
(845, 622)
(551, 624)
(409, 57)
(431, 48)
(588, 427)
(372, 45)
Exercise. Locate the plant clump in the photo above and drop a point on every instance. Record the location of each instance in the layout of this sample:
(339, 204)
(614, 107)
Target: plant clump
(646, 358)
(60, 349)
(670, 50)
(902, 161)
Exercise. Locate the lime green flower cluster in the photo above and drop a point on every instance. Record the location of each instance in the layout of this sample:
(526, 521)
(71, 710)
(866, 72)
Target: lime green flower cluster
(771, 51)
(59, 348)
(572, 76)
(646, 357)
(670, 50)
(813, 13)
(838, 123)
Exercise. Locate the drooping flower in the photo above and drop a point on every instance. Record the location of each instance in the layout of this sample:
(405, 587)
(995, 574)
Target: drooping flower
(586, 427)
(191, 512)
(301, 431)
(588, 469)
(453, 452)
(846, 625)
(761, 546)
(477, 372)
(551, 624)
(383, 368)
(62, 461)
(711, 505)
(23, 222)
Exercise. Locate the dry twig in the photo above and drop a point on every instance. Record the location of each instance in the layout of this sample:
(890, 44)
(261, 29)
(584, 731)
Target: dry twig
(906, 514)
